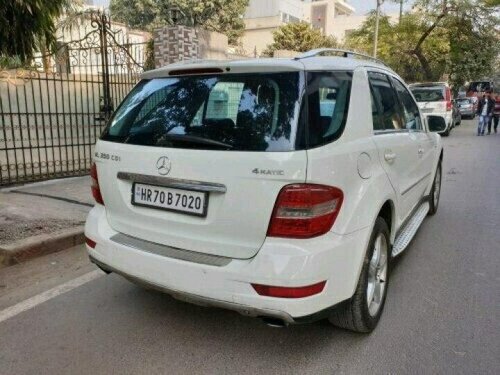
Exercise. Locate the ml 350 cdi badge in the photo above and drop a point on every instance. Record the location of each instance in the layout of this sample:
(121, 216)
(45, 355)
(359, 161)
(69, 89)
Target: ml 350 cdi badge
(279, 188)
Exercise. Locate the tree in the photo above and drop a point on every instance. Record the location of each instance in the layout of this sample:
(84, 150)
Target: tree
(300, 37)
(439, 38)
(137, 14)
(26, 26)
(223, 16)
(395, 43)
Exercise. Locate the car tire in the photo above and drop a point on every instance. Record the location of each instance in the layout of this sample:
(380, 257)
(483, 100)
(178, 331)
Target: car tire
(358, 314)
(435, 190)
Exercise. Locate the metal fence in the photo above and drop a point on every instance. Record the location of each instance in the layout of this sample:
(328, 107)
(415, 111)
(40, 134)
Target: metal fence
(52, 112)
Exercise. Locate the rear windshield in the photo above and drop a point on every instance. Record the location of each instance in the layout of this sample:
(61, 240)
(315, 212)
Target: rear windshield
(236, 112)
(480, 86)
(463, 101)
(428, 94)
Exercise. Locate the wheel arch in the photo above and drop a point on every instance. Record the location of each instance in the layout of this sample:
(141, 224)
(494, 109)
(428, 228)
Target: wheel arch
(388, 213)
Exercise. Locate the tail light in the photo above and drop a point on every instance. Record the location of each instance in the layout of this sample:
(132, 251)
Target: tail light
(305, 211)
(448, 99)
(287, 292)
(96, 191)
(90, 243)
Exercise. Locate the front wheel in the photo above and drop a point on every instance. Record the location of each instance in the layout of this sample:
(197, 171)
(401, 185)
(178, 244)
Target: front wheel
(362, 312)
(435, 191)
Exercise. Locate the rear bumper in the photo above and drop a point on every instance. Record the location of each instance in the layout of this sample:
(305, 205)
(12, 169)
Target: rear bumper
(293, 263)
(467, 112)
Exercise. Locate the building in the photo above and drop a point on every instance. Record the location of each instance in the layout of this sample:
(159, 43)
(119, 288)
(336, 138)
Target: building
(262, 17)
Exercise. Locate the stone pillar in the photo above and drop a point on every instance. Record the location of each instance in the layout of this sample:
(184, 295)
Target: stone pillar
(175, 43)
(178, 43)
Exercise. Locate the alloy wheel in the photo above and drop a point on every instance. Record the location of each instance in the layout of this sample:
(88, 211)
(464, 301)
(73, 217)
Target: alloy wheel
(437, 186)
(377, 275)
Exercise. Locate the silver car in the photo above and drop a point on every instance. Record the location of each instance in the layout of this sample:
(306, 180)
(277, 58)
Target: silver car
(465, 107)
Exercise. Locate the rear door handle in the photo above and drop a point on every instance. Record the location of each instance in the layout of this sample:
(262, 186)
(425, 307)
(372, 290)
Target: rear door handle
(389, 156)
(420, 151)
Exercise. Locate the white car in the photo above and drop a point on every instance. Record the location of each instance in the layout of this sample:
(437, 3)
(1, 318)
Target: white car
(233, 184)
(435, 98)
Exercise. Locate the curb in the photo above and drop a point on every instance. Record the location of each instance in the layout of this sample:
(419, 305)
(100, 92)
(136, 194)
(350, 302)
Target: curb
(43, 244)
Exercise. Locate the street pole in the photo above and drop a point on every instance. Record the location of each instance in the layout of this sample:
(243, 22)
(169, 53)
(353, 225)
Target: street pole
(400, 10)
(377, 17)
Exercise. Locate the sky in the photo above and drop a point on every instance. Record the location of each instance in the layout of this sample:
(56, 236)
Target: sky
(362, 6)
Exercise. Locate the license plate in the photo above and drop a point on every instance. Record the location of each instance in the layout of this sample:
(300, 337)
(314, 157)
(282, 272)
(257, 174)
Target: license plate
(170, 199)
(427, 110)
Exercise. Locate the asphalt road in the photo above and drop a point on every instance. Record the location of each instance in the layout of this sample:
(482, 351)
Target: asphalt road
(442, 314)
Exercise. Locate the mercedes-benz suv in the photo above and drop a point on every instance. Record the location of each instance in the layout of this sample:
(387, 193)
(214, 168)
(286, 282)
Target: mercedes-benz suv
(279, 188)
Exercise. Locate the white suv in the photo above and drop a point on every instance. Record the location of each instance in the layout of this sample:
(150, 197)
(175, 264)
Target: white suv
(279, 188)
(435, 98)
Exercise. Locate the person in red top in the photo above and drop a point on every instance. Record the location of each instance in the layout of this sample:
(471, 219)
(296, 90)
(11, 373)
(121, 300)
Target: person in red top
(496, 115)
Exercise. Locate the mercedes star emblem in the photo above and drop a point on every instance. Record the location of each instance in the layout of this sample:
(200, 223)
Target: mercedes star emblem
(163, 165)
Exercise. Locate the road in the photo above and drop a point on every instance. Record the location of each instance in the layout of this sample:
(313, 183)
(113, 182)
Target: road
(442, 314)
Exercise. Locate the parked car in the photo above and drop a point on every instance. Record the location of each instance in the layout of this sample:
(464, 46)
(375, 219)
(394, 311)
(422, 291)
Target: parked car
(222, 183)
(466, 107)
(435, 98)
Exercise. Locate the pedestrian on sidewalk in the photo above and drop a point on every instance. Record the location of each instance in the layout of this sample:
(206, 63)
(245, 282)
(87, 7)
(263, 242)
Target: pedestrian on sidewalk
(496, 115)
(485, 111)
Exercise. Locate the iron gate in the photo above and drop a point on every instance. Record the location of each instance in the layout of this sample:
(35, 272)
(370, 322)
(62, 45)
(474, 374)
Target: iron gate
(52, 113)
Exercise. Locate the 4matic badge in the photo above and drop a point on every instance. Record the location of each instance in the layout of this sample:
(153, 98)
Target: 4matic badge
(269, 172)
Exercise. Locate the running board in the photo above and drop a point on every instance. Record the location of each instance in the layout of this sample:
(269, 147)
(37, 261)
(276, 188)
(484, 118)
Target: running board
(406, 233)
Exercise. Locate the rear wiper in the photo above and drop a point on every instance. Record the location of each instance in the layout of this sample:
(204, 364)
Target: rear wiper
(191, 139)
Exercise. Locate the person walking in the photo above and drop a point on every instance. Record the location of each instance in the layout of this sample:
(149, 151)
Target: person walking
(485, 111)
(496, 115)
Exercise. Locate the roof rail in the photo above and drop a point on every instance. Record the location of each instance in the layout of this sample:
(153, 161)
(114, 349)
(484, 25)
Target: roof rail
(341, 52)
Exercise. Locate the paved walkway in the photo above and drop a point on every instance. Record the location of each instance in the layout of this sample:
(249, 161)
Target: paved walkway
(43, 207)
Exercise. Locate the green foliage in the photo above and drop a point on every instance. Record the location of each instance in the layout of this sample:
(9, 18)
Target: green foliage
(298, 37)
(396, 42)
(441, 38)
(474, 45)
(7, 62)
(224, 16)
(28, 25)
(149, 62)
(137, 14)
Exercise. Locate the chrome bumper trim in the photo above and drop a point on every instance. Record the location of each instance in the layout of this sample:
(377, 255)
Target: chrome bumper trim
(170, 252)
(173, 182)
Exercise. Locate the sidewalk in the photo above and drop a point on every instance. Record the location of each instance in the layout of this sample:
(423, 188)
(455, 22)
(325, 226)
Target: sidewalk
(43, 217)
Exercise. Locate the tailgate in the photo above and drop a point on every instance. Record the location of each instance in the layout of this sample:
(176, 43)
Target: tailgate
(238, 208)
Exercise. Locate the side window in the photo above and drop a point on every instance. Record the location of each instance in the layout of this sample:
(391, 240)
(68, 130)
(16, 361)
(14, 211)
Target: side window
(412, 120)
(376, 105)
(328, 95)
(388, 107)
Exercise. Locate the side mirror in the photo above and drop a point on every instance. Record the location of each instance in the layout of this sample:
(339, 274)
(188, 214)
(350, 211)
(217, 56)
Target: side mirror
(436, 123)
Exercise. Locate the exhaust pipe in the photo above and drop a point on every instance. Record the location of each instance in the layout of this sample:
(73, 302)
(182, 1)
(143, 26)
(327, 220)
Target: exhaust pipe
(274, 322)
